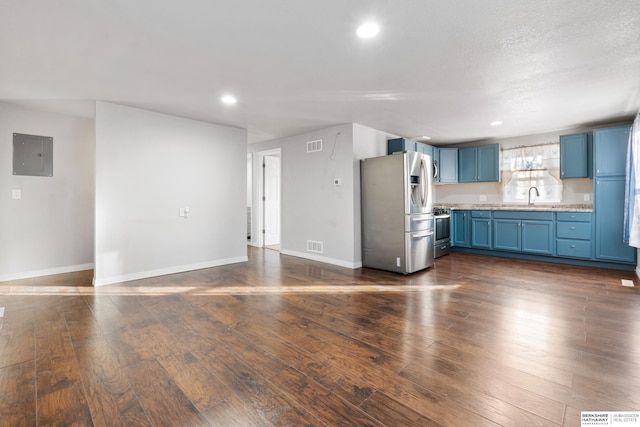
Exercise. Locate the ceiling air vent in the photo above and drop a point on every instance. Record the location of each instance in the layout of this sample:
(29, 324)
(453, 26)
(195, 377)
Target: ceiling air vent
(313, 246)
(314, 146)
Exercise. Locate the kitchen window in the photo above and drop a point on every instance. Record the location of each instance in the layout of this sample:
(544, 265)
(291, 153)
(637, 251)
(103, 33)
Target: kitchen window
(531, 166)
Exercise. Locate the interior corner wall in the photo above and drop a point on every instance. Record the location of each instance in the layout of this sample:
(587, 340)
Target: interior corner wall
(49, 230)
(148, 166)
(312, 206)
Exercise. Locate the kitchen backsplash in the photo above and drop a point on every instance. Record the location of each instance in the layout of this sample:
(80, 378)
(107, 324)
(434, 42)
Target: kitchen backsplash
(490, 193)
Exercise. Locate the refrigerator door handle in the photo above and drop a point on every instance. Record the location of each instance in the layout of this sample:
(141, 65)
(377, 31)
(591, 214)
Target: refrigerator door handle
(421, 235)
(423, 183)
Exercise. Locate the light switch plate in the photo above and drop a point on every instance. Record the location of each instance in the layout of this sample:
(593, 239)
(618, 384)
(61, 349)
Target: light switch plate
(483, 197)
(587, 197)
(16, 194)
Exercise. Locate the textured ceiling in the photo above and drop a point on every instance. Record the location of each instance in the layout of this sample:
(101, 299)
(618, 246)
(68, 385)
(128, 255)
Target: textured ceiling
(440, 68)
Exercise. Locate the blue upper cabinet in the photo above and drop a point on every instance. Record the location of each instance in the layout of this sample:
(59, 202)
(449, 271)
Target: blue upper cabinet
(424, 149)
(611, 150)
(404, 144)
(479, 164)
(448, 165)
(576, 156)
(488, 163)
(401, 144)
(467, 164)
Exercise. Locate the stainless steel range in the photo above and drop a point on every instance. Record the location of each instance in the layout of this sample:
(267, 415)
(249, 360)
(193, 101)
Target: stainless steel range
(442, 232)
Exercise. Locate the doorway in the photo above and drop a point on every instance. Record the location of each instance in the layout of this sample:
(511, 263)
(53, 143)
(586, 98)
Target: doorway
(270, 162)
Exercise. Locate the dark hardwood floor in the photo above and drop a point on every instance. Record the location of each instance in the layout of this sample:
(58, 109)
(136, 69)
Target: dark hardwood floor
(476, 341)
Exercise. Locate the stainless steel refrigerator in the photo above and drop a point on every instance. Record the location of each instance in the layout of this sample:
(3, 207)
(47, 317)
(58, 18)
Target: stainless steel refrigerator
(397, 223)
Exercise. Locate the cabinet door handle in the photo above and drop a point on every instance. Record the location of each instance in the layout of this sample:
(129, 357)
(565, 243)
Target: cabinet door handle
(572, 228)
(572, 246)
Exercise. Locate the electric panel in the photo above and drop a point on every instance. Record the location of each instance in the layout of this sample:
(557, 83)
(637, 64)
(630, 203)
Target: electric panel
(32, 155)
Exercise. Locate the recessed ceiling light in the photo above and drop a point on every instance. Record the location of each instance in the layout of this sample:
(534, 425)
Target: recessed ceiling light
(425, 137)
(496, 123)
(368, 30)
(228, 99)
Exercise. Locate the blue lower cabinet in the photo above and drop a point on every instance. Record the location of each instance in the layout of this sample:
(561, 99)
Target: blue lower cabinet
(537, 237)
(523, 235)
(574, 235)
(582, 236)
(609, 201)
(460, 228)
(481, 229)
(573, 230)
(481, 233)
(506, 234)
(573, 248)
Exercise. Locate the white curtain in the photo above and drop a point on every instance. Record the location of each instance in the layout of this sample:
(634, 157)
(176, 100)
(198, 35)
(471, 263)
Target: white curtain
(632, 187)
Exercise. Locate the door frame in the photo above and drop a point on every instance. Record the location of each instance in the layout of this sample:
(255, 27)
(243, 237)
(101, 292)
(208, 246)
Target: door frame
(277, 152)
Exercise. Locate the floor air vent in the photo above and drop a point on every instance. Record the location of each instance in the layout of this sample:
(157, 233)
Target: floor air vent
(314, 146)
(313, 246)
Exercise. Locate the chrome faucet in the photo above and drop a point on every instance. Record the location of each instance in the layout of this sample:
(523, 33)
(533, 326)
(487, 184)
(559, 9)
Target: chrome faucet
(537, 194)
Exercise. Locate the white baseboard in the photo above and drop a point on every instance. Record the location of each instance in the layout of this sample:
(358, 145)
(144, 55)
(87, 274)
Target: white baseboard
(46, 272)
(167, 270)
(314, 257)
(638, 271)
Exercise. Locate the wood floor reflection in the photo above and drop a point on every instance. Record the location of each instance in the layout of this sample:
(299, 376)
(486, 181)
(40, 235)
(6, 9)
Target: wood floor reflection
(285, 341)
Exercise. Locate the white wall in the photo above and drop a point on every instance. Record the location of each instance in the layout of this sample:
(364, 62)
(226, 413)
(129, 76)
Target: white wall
(50, 229)
(148, 165)
(313, 208)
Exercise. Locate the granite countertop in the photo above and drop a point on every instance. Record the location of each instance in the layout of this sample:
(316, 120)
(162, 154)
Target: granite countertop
(520, 207)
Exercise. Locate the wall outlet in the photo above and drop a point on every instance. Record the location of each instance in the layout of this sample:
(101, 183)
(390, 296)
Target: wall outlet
(184, 212)
(587, 197)
(16, 194)
(483, 197)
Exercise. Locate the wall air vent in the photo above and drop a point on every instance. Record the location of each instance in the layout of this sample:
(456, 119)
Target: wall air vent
(314, 146)
(313, 246)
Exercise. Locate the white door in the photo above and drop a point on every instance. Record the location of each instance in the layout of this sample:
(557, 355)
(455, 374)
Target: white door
(271, 200)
